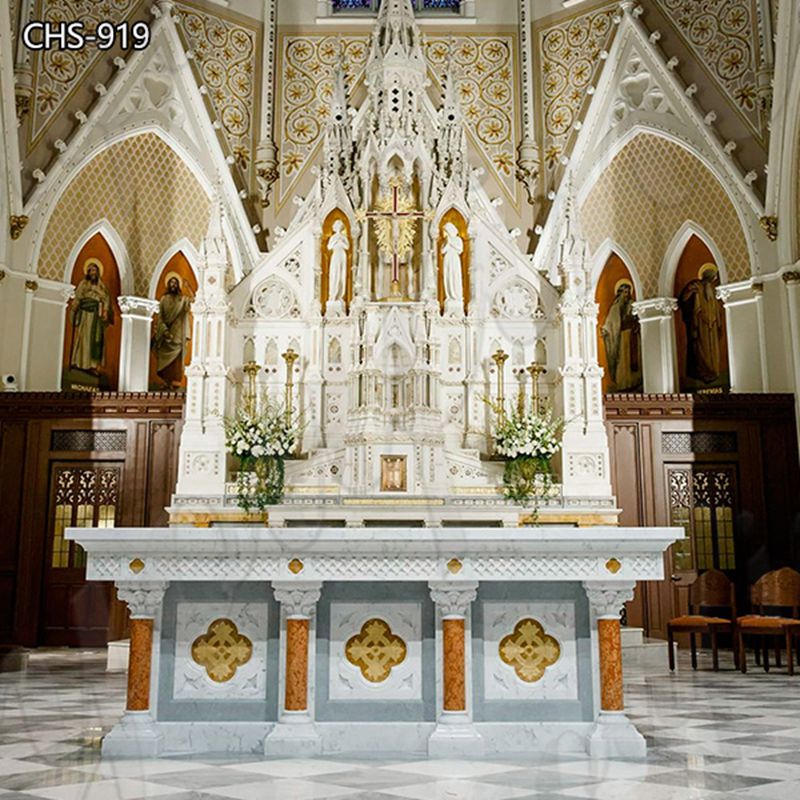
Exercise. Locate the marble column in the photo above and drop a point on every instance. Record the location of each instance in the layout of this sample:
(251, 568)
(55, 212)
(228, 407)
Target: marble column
(295, 734)
(136, 735)
(659, 359)
(613, 735)
(134, 359)
(455, 735)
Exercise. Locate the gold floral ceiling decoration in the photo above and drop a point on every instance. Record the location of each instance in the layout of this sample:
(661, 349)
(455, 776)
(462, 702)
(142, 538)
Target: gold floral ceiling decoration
(226, 59)
(486, 68)
(724, 35)
(570, 61)
(58, 72)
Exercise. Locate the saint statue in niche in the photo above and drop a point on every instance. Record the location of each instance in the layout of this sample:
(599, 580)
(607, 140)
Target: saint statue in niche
(172, 332)
(702, 315)
(338, 246)
(452, 249)
(93, 312)
(622, 340)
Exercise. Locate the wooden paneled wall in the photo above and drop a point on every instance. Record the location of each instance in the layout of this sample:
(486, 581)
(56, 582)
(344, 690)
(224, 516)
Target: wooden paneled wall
(764, 459)
(144, 431)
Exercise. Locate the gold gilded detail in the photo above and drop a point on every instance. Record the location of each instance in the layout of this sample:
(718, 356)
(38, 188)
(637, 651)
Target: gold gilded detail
(375, 650)
(17, 224)
(613, 566)
(296, 566)
(136, 566)
(529, 650)
(222, 650)
(454, 565)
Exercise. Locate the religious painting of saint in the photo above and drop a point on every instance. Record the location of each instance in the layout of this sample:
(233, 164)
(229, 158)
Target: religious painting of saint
(173, 330)
(703, 316)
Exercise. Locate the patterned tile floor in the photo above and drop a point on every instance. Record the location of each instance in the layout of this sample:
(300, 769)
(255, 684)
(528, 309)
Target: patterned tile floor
(710, 736)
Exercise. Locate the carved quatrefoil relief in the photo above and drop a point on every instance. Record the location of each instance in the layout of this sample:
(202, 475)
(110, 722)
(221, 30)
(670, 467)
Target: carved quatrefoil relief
(376, 651)
(222, 650)
(529, 650)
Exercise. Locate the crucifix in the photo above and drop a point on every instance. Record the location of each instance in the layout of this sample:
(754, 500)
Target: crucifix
(397, 217)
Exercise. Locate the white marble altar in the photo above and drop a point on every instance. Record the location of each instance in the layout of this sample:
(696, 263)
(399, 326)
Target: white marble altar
(303, 641)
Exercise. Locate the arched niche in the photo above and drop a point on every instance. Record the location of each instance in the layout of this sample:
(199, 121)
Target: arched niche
(455, 217)
(93, 326)
(174, 374)
(701, 337)
(337, 215)
(619, 340)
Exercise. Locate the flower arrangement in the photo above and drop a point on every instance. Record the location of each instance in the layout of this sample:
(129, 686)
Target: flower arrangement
(528, 440)
(260, 436)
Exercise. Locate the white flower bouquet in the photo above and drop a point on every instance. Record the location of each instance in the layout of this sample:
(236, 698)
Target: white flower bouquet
(260, 439)
(528, 440)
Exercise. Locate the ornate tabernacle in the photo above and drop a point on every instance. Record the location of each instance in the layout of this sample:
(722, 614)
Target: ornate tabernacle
(296, 642)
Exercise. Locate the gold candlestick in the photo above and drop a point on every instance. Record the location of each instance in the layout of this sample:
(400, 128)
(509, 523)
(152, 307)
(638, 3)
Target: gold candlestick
(536, 370)
(521, 392)
(500, 359)
(251, 369)
(289, 357)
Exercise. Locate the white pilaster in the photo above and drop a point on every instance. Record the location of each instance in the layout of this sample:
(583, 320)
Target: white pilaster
(746, 348)
(137, 319)
(658, 344)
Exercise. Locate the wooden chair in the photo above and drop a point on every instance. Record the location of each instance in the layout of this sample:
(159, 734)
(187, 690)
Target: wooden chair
(776, 590)
(712, 590)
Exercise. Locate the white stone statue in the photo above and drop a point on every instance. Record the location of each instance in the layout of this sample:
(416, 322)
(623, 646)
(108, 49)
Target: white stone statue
(338, 245)
(452, 250)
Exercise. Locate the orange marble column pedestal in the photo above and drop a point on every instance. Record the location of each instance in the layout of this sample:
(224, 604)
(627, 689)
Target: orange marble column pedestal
(137, 735)
(613, 736)
(295, 734)
(455, 735)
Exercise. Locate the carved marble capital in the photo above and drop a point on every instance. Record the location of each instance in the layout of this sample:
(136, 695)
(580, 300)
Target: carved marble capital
(607, 599)
(791, 278)
(299, 600)
(141, 307)
(143, 598)
(655, 308)
(453, 599)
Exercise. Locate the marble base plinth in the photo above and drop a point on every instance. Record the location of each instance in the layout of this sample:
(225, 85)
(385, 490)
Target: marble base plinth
(455, 737)
(614, 736)
(293, 740)
(136, 735)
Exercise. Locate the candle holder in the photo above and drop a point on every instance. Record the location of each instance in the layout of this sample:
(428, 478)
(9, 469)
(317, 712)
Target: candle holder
(251, 369)
(536, 370)
(500, 359)
(289, 357)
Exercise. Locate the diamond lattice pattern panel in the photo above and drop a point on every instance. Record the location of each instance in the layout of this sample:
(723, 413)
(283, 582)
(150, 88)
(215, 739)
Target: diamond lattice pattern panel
(650, 189)
(147, 194)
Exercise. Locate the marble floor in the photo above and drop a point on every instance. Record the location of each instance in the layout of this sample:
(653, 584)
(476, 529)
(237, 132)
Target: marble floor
(710, 736)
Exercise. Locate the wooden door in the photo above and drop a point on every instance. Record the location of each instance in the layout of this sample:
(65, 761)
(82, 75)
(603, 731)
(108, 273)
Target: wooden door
(83, 495)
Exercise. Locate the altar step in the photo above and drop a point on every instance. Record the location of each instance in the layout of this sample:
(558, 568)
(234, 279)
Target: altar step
(641, 653)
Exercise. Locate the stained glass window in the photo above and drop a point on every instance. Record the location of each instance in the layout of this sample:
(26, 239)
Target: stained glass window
(419, 5)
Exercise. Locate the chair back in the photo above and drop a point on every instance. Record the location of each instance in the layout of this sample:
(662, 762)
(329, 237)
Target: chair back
(713, 589)
(757, 592)
(781, 589)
